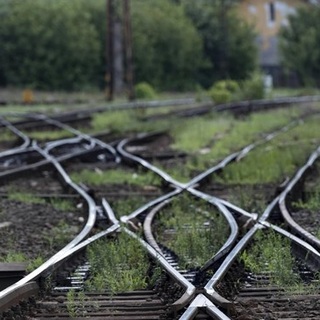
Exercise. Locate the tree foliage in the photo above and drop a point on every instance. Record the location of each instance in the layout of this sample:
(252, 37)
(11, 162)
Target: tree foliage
(47, 44)
(299, 45)
(229, 42)
(167, 48)
(61, 44)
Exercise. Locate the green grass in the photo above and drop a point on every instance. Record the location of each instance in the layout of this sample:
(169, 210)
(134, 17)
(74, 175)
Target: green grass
(290, 92)
(25, 197)
(217, 135)
(312, 203)
(115, 176)
(13, 256)
(273, 162)
(62, 204)
(119, 265)
(50, 135)
(271, 254)
(311, 199)
(59, 204)
(197, 236)
(59, 235)
(126, 205)
(191, 135)
(7, 135)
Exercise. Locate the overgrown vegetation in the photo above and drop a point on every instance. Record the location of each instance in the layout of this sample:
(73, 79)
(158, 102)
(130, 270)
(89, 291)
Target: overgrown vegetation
(118, 265)
(251, 88)
(13, 256)
(273, 162)
(176, 46)
(144, 90)
(50, 135)
(115, 176)
(75, 303)
(198, 230)
(298, 44)
(59, 235)
(271, 255)
(211, 138)
(26, 197)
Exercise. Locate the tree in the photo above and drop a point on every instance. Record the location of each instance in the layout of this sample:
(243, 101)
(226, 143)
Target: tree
(166, 45)
(299, 45)
(229, 42)
(47, 44)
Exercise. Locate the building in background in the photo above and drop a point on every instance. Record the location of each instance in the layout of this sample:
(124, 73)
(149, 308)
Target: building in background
(268, 17)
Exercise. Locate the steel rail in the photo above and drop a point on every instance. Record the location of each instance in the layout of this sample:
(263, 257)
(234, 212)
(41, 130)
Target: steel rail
(210, 288)
(301, 173)
(150, 204)
(80, 134)
(202, 302)
(190, 289)
(255, 105)
(7, 297)
(68, 141)
(234, 229)
(147, 229)
(250, 105)
(180, 187)
(222, 204)
(92, 140)
(23, 137)
(166, 177)
(64, 251)
(6, 156)
(236, 156)
(16, 172)
(212, 200)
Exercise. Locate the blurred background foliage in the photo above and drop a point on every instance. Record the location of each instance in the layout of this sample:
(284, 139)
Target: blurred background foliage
(177, 45)
(299, 44)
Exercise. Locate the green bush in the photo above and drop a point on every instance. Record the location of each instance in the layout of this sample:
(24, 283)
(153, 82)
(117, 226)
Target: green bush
(230, 85)
(167, 47)
(252, 88)
(144, 90)
(224, 91)
(220, 95)
(48, 45)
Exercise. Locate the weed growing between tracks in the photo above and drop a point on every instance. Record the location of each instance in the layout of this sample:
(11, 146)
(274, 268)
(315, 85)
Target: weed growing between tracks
(119, 265)
(311, 192)
(271, 254)
(75, 303)
(31, 265)
(50, 135)
(197, 230)
(305, 205)
(115, 176)
(209, 139)
(276, 161)
(6, 136)
(26, 197)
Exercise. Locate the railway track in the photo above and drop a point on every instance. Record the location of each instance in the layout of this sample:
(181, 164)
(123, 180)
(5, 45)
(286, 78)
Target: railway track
(208, 291)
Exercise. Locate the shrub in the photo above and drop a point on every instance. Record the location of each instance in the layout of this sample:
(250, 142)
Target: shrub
(48, 45)
(229, 85)
(220, 95)
(253, 87)
(224, 91)
(144, 90)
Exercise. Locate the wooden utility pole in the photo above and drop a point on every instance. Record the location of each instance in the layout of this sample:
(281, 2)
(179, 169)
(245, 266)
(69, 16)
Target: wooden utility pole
(109, 78)
(129, 78)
